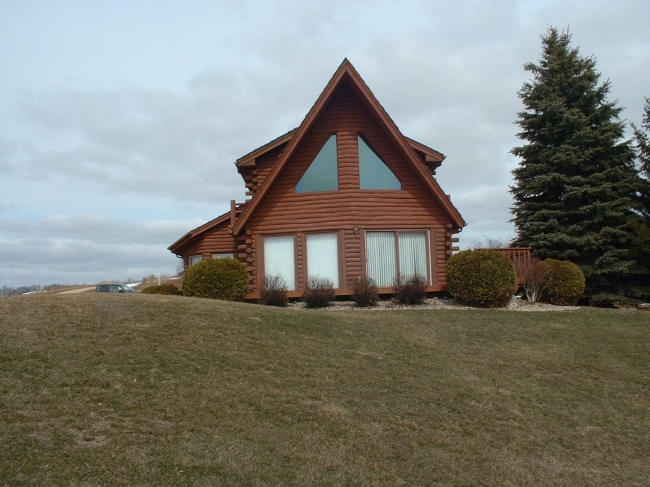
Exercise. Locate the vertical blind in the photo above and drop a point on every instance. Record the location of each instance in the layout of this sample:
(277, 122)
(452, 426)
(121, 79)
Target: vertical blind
(382, 249)
(323, 257)
(412, 254)
(380, 257)
(279, 259)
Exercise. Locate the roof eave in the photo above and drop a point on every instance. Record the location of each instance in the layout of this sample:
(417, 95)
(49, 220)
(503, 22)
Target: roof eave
(184, 241)
(249, 159)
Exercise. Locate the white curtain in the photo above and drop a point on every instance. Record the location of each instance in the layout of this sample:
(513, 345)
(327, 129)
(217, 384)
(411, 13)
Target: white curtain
(413, 254)
(323, 257)
(380, 257)
(279, 259)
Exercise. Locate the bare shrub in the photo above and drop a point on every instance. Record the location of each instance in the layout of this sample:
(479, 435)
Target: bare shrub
(410, 290)
(274, 291)
(319, 292)
(363, 291)
(491, 242)
(534, 276)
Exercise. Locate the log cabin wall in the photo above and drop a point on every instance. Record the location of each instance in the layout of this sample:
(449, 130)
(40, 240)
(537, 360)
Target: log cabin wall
(255, 175)
(217, 240)
(283, 211)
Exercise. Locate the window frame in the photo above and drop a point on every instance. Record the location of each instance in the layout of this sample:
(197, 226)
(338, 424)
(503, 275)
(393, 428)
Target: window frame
(192, 257)
(427, 233)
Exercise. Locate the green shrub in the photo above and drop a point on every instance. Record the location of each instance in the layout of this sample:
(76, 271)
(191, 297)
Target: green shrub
(225, 279)
(274, 291)
(168, 289)
(410, 290)
(566, 283)
(363, 292)
(318, 292)
(481, 277)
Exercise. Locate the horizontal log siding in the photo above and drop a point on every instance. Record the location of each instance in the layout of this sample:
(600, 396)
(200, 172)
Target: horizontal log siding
(284, 211)
(264, 163)
(217, 240)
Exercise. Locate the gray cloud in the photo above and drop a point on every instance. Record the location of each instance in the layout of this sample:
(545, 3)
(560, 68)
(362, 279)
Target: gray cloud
(48, 261)
(6, 153)
(100, 229)
(86, 248)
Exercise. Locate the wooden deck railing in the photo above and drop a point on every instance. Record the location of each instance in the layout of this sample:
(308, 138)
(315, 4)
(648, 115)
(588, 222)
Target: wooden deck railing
(520, 256)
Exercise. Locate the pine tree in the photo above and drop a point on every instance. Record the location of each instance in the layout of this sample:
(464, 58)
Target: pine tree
(642, 248)
(642, 140)
(576, 185)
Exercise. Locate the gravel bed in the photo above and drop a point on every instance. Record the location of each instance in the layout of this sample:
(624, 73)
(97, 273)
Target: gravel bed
(516, 304)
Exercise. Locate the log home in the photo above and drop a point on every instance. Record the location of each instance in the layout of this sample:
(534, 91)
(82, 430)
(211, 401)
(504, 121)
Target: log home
(344, 195)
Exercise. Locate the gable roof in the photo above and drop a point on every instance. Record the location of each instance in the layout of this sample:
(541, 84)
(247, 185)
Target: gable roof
(186, 239)
(347, 73)
(430, 157)
(249, 159)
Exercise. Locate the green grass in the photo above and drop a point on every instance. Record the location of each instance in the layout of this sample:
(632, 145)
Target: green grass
(164, 390)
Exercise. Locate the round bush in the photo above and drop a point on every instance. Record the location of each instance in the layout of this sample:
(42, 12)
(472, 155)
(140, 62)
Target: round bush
(225, 279)
(168, 289)
(565, 284)
(481, 277)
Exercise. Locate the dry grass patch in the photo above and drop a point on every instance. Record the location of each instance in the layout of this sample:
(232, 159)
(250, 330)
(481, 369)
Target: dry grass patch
(163, 390)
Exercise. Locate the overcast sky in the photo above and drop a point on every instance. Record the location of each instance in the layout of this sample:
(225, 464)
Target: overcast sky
(120, 121)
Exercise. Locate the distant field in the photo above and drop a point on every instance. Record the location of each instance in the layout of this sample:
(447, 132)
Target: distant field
(145, 390)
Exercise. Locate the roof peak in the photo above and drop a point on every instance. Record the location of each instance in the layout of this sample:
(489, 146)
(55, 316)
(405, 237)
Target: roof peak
(367, 98)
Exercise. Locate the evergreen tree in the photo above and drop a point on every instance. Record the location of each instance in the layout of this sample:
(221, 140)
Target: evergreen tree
(642, 249)
(576, 185)
(642, 140)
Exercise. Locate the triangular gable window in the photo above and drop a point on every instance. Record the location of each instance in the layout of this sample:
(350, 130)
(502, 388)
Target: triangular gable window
(322, 174)
(373, 172)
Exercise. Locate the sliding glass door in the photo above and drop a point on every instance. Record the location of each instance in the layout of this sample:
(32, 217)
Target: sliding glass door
(393, 254)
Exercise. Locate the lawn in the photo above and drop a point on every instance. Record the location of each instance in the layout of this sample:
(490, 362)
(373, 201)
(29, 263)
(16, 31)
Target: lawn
(161, 390)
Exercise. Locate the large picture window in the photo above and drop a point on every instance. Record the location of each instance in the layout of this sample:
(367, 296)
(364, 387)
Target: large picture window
(323, 173)
(373, 172)
(392, 254)
(279, 259)
(323, 257)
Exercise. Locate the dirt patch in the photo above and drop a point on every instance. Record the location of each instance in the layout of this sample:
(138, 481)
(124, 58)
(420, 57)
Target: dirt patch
(79, 290)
